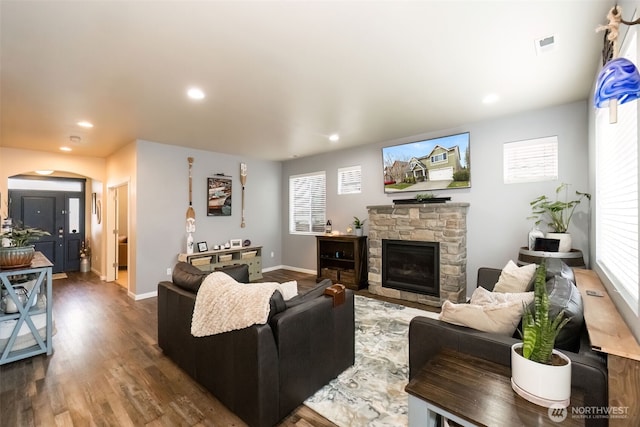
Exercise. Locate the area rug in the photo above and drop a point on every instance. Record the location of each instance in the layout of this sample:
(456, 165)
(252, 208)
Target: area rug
(371, 392)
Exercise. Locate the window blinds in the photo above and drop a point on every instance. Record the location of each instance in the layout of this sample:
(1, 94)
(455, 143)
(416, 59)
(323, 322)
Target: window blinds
(307, 202)
(350, 180)
(531, 160)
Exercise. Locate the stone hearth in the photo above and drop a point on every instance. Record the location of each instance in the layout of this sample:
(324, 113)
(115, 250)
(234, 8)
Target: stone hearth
(445, 223)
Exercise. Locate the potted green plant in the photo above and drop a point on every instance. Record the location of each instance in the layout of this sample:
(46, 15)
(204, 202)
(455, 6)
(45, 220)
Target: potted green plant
(558, 213)
(540, 373)
(20, 249)
(357, 224)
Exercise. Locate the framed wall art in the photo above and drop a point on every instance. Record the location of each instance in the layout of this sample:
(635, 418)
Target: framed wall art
(202, 247)
(219, 196)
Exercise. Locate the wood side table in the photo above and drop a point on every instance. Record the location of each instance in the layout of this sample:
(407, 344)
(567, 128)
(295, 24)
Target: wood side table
(475, 392)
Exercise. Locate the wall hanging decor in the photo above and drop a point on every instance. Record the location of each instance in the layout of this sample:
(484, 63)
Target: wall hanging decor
(191, 213)
(618, 81)
(219, 195)
(243, 181)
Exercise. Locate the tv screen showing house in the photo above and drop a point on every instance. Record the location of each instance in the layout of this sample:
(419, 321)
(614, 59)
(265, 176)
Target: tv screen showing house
(428, 165)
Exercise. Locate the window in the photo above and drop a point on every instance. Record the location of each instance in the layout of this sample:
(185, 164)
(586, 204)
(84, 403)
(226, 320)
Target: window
(307, 203)
(617, 193)
(350, 180)
(531, 160)
(442, 157)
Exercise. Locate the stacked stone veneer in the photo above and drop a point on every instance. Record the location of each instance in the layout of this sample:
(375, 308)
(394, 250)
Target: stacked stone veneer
(445, 223)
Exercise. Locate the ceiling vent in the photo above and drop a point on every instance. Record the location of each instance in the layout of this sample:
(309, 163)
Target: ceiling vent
(545, 44)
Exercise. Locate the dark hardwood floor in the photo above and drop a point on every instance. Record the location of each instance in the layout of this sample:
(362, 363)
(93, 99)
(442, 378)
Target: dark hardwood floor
(107, 368)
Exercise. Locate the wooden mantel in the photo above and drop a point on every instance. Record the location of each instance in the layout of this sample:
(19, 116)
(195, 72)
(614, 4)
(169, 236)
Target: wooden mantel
(608, 333)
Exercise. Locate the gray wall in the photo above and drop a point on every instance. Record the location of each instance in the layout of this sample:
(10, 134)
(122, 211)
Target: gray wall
(497, 219)
(162, 194)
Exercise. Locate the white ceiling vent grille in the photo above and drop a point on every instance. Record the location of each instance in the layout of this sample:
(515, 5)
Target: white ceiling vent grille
(545, 44)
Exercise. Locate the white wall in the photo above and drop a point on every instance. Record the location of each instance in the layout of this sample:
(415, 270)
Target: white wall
(161, 196)
(497, 219)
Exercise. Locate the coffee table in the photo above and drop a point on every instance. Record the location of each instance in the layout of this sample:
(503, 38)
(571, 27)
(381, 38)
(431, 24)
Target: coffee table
(475, 392)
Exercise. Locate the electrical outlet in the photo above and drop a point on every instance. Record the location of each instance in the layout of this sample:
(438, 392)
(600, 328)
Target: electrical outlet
(169, 271)
(273, 254)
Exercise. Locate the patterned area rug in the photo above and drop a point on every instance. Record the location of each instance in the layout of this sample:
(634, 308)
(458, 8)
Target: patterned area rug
(371, 392)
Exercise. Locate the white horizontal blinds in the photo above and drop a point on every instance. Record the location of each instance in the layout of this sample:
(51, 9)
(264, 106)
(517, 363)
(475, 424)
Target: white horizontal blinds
(350, 180)
(617, 198)
(307, 203)
(531, 160)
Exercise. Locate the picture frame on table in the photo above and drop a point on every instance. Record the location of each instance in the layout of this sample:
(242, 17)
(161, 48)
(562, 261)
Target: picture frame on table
(202, 247)
(235, 243)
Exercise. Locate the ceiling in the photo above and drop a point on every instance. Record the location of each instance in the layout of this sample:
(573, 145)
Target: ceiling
(280, 77)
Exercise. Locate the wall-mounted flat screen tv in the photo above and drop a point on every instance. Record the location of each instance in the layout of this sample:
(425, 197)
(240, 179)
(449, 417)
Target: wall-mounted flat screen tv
(428, 165)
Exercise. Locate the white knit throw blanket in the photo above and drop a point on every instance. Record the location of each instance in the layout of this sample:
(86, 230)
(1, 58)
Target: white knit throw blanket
(223, 305)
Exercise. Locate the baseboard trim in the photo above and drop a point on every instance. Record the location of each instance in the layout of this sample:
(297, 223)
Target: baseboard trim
(143, 296)
(288, 267)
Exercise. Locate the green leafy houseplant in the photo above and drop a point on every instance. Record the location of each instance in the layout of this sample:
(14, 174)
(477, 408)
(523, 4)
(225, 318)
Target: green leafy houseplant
(23, 236)
(539, 332)
(357, 222)
(559, 212)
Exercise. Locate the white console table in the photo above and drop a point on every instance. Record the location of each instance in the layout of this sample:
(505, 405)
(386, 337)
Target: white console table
(40, 301)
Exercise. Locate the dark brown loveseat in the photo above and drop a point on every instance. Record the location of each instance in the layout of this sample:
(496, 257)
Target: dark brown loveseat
(589, 368)
(262, 372)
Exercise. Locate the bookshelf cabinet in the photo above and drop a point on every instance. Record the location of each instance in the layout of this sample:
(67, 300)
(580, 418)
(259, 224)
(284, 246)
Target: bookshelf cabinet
(343, 259)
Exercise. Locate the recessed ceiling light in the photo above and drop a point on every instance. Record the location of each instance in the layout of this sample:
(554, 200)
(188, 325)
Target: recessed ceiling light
(44, 172)
(492, 98)
(85, 124)
(65, 149)
(195, 93)
(334, 138)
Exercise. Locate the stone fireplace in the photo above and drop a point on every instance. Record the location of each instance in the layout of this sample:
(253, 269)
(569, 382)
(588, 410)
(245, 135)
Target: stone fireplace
(433, 225)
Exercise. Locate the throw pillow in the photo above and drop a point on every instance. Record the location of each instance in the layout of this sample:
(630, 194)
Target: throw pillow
(515, 279)
(289, 289)
(498, 318)
(482, 296)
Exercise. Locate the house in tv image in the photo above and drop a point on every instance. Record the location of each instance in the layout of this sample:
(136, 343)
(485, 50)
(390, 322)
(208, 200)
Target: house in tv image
(428, 165)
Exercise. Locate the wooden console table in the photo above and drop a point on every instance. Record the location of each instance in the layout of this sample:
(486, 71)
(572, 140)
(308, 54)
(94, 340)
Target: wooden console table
(608, 333)
(41, 269)
(475, 392)
(210, 260)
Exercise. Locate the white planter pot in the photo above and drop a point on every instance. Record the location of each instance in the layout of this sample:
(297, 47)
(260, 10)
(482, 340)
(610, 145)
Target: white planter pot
(565, 241)
(544, 385)
(358, 231)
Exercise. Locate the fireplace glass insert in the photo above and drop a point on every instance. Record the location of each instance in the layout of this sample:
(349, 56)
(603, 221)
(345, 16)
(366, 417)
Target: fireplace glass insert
(412, 266)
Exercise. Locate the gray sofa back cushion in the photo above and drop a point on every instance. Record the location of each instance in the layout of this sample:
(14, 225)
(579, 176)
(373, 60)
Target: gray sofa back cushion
(188, 277)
